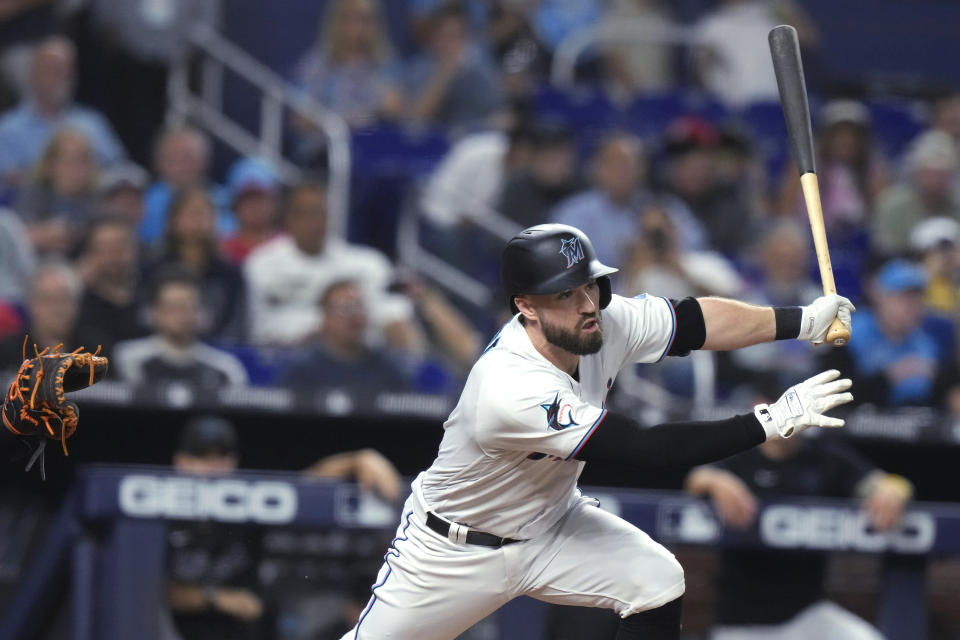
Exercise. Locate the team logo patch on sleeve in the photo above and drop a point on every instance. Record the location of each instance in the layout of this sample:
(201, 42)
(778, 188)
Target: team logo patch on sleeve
(559, 416)
(571, 250)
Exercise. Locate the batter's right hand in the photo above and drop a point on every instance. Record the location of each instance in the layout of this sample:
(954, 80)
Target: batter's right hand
(804, 405)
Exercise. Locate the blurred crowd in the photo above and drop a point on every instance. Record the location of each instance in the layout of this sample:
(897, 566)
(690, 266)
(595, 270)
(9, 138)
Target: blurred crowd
(123, 229)
(119, 229)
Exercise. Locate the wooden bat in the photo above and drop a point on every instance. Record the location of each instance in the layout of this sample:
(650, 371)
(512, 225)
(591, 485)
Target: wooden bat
(785, 50)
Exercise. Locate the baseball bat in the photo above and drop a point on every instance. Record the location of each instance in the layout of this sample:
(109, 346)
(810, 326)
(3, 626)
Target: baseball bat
(785, 51)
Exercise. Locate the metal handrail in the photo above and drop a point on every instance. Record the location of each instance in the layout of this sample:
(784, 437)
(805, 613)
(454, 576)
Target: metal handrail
(632, 31)
(276, 95)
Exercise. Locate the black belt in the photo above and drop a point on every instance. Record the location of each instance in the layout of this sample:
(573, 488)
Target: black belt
(442, 527)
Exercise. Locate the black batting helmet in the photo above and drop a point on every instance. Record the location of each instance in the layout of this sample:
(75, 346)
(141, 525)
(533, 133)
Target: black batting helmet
(552, 258)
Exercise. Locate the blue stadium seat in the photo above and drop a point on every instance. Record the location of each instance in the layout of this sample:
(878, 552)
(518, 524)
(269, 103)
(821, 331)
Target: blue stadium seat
(387, 161)
(895, 124)
(765, 120)
(649, 115)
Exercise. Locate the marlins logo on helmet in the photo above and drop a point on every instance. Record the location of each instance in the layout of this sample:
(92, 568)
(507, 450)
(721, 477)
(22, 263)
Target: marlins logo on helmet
(571, 250)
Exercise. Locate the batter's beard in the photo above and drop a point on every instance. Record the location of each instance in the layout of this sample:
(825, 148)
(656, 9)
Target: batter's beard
(573, 341)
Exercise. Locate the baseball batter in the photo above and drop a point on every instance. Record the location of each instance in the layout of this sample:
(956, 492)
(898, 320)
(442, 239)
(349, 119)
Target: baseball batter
(498, 513)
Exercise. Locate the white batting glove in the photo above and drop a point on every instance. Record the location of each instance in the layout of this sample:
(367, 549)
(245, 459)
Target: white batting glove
(819, 314)
(804, 404)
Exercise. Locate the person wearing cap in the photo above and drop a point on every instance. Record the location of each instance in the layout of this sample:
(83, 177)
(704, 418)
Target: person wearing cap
(931, 168)
(692, 192)
(850, 168)
(899, 357)
(212, 567)
(937, 243)
(252, 196)
(213, 587)
(121, 192)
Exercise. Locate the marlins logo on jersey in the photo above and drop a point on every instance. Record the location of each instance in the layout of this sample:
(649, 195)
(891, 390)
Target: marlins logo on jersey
(571, 250)
(556, 414)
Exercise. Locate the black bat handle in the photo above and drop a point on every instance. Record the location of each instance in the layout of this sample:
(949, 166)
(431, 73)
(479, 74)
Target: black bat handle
(785, 50)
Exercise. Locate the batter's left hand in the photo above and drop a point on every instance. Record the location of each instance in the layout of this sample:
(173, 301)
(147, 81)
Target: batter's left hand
(819, 314)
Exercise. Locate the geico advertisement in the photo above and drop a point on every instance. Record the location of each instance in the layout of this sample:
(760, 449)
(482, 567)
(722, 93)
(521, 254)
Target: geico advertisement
(197, 498)
(804, 527)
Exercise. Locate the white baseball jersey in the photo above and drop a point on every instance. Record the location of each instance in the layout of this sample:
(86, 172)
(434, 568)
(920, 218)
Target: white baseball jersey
(506, 463)
(506, 466)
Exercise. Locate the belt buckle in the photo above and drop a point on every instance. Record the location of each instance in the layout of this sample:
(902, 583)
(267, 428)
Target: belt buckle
(457, 533)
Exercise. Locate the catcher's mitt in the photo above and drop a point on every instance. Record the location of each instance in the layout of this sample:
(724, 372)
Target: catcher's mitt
(36, 404)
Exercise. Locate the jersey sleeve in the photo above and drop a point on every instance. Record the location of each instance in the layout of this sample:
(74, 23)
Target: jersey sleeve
(539, 414)
(643, 327)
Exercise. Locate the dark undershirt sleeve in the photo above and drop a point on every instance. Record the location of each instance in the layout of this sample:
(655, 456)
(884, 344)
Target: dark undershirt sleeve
(621, 440)
(691, 329)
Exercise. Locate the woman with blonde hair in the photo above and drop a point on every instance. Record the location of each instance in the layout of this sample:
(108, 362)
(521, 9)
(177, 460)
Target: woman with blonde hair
(59, 199)
(348, 69)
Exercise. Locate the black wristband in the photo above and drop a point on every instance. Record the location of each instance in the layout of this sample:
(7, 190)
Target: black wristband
(788, 320)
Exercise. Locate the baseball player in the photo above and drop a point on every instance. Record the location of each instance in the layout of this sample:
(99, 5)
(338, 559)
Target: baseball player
(498, 513)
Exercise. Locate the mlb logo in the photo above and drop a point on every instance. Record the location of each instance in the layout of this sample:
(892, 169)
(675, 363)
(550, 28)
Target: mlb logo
(692, 522)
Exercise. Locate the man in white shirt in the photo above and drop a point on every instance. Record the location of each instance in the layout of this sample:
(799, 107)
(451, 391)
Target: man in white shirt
(498, 514)
(287, 276)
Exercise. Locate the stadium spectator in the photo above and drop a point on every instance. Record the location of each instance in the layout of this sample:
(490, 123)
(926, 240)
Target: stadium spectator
(252, 191)
(781, 278)
(850, 169)
(522, 59)
(633, 68)
(212, 583)
(778, 594)
(451, 83)
(936, 241)
(901, 355)
(181, 161)
(48, 106)
(692, 190)
(16, 258)
(23, 23)
(286, 276)
(174, 352)
(554, 20)
(469, 180)
(452, 342)
(190, 243)
(53, 302)
(612, 208)
(946, 118)
(339, 355)
(110, 269)
(138, 44)
(657, 263)
(734, 58)
(214, 588)
(350, 67)
(739, 171)
(420, 13)
(121, 193)
(532, 191)
(931, 167)
(946, 115)
(59, 200)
